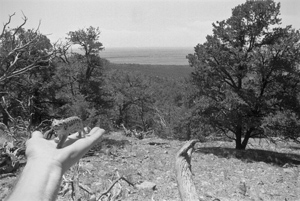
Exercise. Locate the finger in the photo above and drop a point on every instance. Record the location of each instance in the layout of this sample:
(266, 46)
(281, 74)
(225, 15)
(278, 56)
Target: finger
(96, 132)
(37, 134)
(91, 138)
(74, 137)
(80, 147)
(34, 136)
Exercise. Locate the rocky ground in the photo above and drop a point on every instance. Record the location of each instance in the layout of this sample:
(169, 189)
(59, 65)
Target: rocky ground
(144, 170)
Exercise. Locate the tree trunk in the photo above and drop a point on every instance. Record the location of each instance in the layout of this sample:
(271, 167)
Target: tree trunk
(238, 139)
(239, 143)
(247, 137)
(186, 186)
(188, 132)
(5, 116)
(240, 146)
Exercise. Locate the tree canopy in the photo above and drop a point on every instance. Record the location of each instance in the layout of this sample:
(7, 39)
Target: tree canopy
(247, 74)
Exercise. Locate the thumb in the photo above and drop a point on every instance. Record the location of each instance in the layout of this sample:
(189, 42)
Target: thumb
(37, 134)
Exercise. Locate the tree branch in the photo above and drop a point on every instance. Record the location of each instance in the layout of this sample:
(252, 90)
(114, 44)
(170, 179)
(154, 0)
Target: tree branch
(113, 184)
(7, 23)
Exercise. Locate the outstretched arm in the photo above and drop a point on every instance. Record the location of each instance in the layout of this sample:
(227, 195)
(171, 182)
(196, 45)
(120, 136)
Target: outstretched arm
(41, 177)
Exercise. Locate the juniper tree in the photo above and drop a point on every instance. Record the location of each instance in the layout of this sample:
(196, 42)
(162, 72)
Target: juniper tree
(247, 74)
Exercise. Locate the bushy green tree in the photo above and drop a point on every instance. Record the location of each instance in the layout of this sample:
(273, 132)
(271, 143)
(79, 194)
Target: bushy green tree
(88, 39)
(91, 68)
(247, 74)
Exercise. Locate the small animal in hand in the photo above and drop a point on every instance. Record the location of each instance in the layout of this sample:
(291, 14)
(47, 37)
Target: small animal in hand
(64, 127)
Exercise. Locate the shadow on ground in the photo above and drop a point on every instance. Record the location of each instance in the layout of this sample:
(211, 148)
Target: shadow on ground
(295, 147)
(253, 155)
(108, 142)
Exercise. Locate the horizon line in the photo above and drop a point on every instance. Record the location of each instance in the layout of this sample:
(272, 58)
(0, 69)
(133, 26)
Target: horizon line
(149, 47)
(105, 47)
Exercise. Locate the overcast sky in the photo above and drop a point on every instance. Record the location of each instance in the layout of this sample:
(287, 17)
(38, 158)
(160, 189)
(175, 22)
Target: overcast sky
(133, 23)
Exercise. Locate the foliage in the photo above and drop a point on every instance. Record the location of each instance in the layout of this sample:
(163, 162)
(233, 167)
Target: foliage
(133, 98)
(22, 50)
(25, 64)
(247, 71)
(91, 78)
(90, 73)
(89, 41)
(65, 84)
(40, 81)
(147, 103)
(170, 107)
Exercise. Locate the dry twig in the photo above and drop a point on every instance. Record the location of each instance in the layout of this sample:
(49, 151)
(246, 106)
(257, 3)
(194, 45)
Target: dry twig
(113, 184)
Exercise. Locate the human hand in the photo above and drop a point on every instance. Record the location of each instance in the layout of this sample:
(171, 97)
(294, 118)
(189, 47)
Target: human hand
(44, 151)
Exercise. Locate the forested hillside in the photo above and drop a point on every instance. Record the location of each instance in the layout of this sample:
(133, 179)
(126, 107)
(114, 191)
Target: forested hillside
(41, 81)
(243, 82)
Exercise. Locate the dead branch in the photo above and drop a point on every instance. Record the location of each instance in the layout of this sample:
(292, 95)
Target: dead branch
(7, 23)
(113, 184)
(186, 186)
(62, 51)
(127, 131)
(86, 189)
(21, 47)
(18, 47)
(18, 28)
(76, 182)
(21, 71)
(2, 176)
(161, 118)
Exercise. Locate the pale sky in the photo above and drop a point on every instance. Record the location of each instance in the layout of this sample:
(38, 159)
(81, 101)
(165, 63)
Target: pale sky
(133, 23)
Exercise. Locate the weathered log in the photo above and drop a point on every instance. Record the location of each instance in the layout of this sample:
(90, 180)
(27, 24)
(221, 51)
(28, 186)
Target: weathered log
(186, 186)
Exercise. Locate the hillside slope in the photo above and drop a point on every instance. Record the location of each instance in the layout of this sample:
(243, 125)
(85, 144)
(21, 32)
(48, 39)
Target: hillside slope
(264, 172)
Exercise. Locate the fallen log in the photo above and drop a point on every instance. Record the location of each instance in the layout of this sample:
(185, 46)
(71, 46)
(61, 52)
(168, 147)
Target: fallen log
(186, 186)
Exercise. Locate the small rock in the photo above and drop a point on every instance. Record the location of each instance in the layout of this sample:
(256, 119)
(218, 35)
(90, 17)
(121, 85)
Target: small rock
(146, 185)
(288, 170)
(260, 183)
(92, 198)
(287, 165)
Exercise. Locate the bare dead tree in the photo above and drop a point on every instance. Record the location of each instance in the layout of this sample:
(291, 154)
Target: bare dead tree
(186, 186)
(11, 53)
(61, 51)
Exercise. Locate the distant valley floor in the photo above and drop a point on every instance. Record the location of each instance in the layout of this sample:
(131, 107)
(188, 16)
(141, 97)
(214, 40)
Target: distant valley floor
(168, 71)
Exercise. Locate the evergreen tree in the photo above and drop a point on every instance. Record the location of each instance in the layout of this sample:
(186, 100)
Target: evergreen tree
(247, 74)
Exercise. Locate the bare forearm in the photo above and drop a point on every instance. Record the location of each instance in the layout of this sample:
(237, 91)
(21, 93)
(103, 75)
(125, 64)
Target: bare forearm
(39, 181)
(41, 177)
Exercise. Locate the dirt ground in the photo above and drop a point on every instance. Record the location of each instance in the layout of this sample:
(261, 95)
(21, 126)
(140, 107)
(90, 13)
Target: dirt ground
(262, 172)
